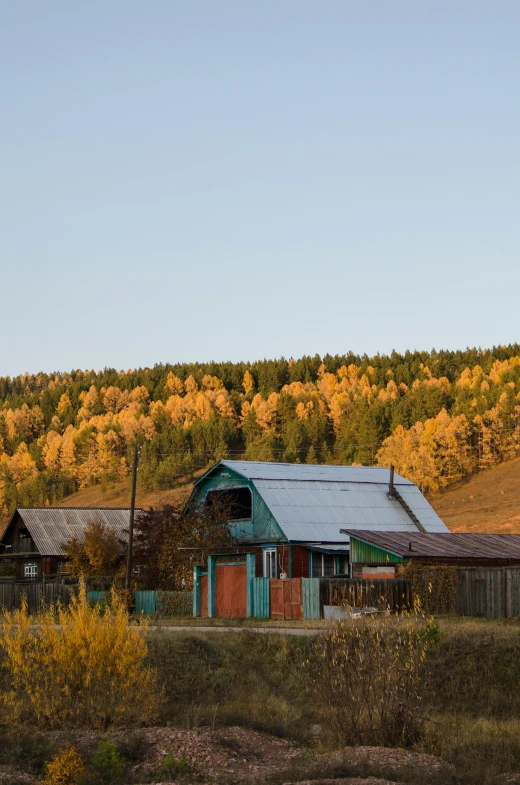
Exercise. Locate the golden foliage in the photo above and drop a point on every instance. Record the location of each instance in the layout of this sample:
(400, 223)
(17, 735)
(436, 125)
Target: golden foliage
(98, 555)
(435, 426)
(64, 768)
(87, 670)
(434, 587)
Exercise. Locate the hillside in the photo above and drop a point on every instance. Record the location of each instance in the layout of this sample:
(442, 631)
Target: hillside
(438, 417)
(119, 496)
(489, 502)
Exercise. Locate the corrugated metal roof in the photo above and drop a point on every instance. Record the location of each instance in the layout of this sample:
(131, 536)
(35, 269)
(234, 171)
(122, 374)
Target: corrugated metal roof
(315, 511)
(444, 545)
(329, 548)
(51, 527)
(260, 470)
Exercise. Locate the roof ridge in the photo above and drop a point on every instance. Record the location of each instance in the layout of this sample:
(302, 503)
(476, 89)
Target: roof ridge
(19, 507)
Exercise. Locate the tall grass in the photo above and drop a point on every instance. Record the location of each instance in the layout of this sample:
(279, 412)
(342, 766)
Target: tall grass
(470, 699)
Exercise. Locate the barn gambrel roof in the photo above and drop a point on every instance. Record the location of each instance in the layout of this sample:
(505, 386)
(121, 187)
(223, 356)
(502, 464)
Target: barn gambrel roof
(311, 503)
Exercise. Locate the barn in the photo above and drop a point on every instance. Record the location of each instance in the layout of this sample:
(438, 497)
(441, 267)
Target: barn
(288, 520)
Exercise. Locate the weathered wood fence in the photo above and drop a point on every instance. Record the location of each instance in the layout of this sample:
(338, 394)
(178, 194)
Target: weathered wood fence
(37, 595)
(40, 595)
(489, 592)
(394, 595)
(493, 593)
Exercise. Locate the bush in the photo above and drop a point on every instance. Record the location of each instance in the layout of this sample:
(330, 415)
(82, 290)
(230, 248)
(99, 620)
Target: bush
(173, 766)
(434, 587)
(64, 768)
(106, 762)
(29, 752)
(368, 678)
(89, 671)
(175, 603)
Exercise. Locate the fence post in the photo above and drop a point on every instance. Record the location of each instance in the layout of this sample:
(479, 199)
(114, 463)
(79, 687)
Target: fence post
(212, 587)
(196, 590)
(250, 574)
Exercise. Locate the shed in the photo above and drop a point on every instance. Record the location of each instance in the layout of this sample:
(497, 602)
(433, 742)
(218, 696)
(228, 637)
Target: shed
(377, 554)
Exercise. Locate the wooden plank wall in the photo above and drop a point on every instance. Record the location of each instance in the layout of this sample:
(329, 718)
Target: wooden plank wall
(488, 592)
(493, 593)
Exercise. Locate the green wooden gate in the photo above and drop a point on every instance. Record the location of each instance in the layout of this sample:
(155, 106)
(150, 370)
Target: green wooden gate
(311, 598)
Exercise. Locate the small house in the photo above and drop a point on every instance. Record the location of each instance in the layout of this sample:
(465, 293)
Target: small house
(35, 537)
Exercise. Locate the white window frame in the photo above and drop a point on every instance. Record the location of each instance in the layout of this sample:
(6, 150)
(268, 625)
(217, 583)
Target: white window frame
(30, 570)
(270, 565)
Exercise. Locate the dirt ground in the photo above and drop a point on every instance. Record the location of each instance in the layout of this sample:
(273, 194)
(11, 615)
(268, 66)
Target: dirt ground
(235, 756)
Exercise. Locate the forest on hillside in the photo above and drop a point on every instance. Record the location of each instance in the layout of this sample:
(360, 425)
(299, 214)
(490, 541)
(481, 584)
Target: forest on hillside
(437, 416)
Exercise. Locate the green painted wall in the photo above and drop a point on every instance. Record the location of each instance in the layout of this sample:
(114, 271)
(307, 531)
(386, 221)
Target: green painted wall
(364, 553)
(262, 526)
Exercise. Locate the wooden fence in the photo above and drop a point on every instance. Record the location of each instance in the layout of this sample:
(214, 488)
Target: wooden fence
(492, 592)
(392, 594)
(489, 592)
(37, 595)
(40, 595)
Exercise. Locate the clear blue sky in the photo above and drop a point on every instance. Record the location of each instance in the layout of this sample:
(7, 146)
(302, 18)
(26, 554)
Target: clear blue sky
(189, 180)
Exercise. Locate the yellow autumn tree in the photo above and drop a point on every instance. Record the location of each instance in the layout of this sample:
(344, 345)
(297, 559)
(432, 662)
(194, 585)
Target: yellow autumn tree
(89, 671)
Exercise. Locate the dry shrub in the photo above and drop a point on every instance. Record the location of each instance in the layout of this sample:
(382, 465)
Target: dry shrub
(368, 678)
(64, 768)
(87, 670)
(175, 603)
(435, 587)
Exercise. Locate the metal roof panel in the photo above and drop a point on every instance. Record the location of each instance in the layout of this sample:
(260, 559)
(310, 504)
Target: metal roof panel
(52, 527)
(445, 544)
(264, 470)
(316, 511)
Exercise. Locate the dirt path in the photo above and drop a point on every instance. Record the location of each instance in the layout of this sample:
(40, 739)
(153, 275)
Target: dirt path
(303, 631)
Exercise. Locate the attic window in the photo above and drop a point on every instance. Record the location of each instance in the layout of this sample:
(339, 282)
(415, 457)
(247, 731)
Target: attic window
(235, 502)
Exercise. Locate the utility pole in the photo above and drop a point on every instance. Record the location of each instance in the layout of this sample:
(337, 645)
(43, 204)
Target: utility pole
(131, 527)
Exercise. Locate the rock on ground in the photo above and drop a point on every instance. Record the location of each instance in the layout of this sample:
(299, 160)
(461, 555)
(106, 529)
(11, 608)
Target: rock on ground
(386, 761)
(348, 781)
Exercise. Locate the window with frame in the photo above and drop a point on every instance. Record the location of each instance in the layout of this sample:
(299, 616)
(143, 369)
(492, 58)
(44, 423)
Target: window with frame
(30, 570)
(270, 566)
(325, 565)
(329, 564)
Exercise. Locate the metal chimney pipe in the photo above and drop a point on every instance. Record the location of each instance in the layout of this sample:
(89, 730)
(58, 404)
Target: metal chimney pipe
(391, 483)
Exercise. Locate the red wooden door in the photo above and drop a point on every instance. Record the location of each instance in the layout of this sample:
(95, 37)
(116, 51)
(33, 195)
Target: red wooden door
(204, 595)
(231, 590)
(286, 599)
(292, 598)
